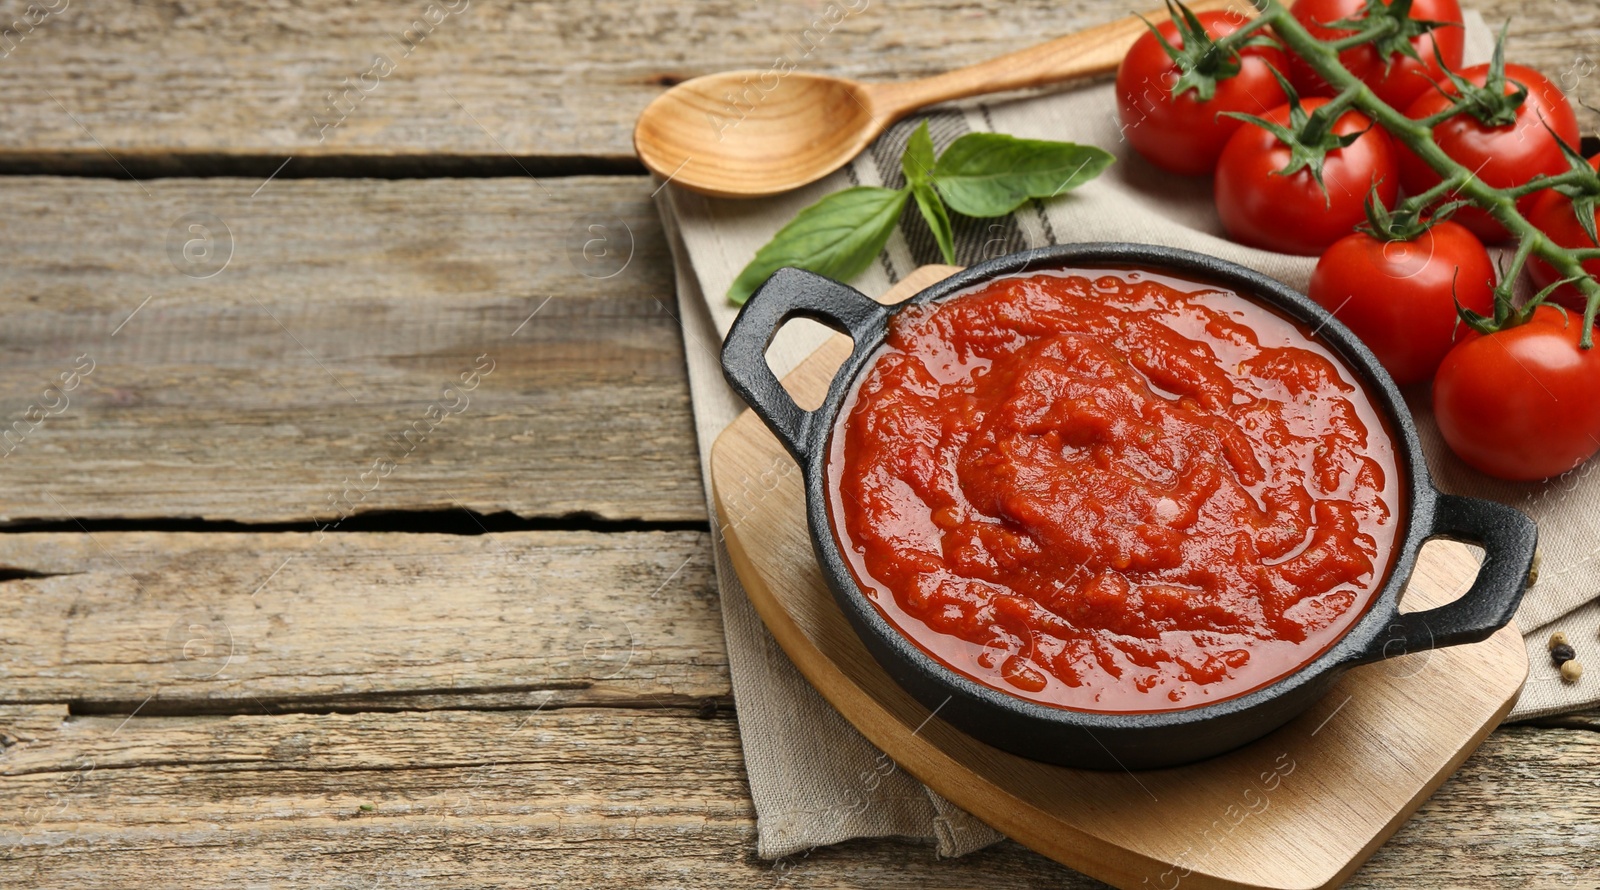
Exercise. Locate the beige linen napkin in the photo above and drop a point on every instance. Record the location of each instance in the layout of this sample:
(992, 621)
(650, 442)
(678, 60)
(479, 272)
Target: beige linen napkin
(815, 780)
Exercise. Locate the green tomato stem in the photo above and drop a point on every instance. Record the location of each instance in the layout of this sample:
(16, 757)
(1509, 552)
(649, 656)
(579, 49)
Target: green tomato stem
(1323, 58)
(1323, 119)
(1384, 28)
(1429, 197)
(1434, 120)
(1518, 261)
(1245, 32)
(1542, 182)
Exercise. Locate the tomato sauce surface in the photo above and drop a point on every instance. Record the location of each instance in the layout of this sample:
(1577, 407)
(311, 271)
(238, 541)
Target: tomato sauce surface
(1113, 490)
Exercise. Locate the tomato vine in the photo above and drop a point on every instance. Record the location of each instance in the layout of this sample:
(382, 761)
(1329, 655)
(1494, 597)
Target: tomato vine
(1322, 56)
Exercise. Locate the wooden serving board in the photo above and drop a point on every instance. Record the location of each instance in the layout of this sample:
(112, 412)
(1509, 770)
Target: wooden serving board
(1300, 808)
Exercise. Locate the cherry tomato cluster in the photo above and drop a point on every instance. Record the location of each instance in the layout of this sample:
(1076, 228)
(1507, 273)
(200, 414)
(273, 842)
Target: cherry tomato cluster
(1296, 171)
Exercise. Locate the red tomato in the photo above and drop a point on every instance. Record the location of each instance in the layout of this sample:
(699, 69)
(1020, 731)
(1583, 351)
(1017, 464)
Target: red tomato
(1502, 156)
(1398, 80)
(1551, 213)
(1519, 404)
(1292, 214)
(1399, 296)
(1185, 135)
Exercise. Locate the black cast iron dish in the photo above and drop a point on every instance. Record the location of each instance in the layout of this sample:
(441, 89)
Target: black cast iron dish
(1112, 740)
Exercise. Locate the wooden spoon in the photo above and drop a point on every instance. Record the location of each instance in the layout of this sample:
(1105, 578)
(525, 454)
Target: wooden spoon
(743, 134)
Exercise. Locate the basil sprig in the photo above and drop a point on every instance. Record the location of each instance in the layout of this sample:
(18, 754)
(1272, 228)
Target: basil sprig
(980, 174)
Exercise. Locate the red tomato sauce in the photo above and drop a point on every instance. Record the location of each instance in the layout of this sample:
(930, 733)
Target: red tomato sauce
(1113, 490)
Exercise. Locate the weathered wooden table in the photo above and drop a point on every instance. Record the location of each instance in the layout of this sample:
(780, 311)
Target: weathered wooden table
(267, 269)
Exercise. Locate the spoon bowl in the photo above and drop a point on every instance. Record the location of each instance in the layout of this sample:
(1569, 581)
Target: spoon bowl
(745, 134)
(748, 133)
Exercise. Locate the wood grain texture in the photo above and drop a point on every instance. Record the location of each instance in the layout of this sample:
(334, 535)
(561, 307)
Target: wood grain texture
(800, 127)
(326, 342)
(213, 411)
(1580, 720)
(211, 86)
(1334, 789)
(596, 797)
(272, 622)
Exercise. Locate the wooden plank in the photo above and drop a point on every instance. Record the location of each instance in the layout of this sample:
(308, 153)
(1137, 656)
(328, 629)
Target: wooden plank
(217, 88)
(597, 797)
(267, 622)
(1580, 720)
(324, 344)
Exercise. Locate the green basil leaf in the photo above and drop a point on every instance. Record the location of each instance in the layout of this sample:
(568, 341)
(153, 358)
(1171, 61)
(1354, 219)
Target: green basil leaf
(939, 221)
(918, 160)
(991, 174)
(838, 236)
(918, 163)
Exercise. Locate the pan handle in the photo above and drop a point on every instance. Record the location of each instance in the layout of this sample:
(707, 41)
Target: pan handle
(793, 293)
(1508, 538)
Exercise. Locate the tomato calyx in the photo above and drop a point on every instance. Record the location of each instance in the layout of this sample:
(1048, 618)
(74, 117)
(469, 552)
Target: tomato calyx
(1584, 189)
(1390, 29)
(1506, 313)
(1202, 61)
(1309, 135)
(1490, 103)
(1406, 222)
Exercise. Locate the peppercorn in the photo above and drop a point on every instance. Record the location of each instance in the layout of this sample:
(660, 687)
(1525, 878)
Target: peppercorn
(1561, 653)
(1571, 671)
(1533, 570)
(1556, 639)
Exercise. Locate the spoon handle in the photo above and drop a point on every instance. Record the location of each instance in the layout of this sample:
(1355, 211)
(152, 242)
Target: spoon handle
(1087, 53)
